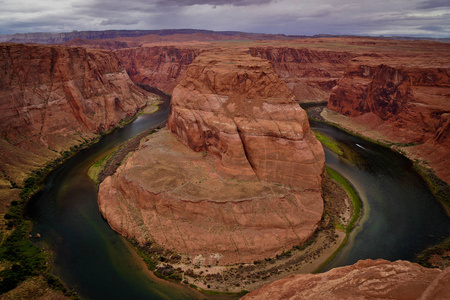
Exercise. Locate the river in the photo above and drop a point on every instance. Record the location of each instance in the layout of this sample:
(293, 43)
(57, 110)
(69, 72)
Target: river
(400, 218)
(400, 215)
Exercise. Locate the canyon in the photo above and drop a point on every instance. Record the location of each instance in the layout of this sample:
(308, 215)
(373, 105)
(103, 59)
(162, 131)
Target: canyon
(235, 128)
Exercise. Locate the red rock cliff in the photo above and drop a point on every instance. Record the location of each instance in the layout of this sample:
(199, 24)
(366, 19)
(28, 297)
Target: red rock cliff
(234, 106)
(53, 97)
(309, 74)
(161, 67)
(367, 279)
(407, 104)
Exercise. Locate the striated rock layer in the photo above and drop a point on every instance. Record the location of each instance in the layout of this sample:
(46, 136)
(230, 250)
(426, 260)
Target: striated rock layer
(367, 279)
(234, 106)
(242, 123)
(53, 97)
(309, 74)
(159, 66)
(406, 104)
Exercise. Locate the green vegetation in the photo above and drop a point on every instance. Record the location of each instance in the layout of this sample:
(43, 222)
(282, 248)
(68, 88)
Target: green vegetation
(329, 143)
(439, 250)
(20, 258)
(25, 259)
(357, 205)
(97, 167)
(356, 201)
(439, 188)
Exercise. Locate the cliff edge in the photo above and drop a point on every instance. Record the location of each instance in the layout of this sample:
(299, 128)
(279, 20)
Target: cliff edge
(367, 279)
(55, 97)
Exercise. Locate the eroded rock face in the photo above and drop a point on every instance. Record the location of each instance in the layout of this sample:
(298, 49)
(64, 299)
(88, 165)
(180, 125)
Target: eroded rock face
(159, 66)
(234, 106)
(167, 194)
(367, 279)
(54, 97)
(242, 123)
(408, 105)
(309, 74)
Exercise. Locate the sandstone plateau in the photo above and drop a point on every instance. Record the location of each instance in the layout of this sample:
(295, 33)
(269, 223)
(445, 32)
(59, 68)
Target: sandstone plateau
(367, 279)
(54, 97)
(237, 180)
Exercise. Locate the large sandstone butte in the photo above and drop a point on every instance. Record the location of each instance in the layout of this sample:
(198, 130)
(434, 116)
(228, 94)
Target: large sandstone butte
(54, 97)
(233, 119)
(234, 106)
(367, 279)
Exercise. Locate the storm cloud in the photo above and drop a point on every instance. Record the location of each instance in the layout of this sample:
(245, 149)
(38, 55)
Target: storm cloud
(307, 17)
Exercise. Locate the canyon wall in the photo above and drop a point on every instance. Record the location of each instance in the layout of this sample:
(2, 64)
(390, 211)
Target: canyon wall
(54, 97)
(367, 279)
(309, 74)
(159, 66)
(236, 179)
(408, 105)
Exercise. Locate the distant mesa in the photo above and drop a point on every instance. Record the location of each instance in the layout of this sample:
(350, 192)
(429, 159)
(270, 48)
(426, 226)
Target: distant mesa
(62, 37)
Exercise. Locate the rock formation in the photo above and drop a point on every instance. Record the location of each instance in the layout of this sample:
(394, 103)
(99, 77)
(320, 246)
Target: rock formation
(367, 279)
(309, 74)
(242, 123)
(407, 104)
(235, 107)
(54, 97)
(161, 66)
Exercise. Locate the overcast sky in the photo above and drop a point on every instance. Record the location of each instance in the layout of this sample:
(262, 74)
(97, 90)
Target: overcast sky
(294, 17)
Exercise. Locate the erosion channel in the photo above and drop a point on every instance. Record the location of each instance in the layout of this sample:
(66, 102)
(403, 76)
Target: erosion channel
(400, 217)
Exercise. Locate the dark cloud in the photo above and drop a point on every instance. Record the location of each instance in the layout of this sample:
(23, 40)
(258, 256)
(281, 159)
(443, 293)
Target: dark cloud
(120, 21)
(305, 17)
(211, 2)
(433, 28)
(434, 4)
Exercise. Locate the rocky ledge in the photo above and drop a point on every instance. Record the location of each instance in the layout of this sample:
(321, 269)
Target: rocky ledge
(239, 181)
(367, 279)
